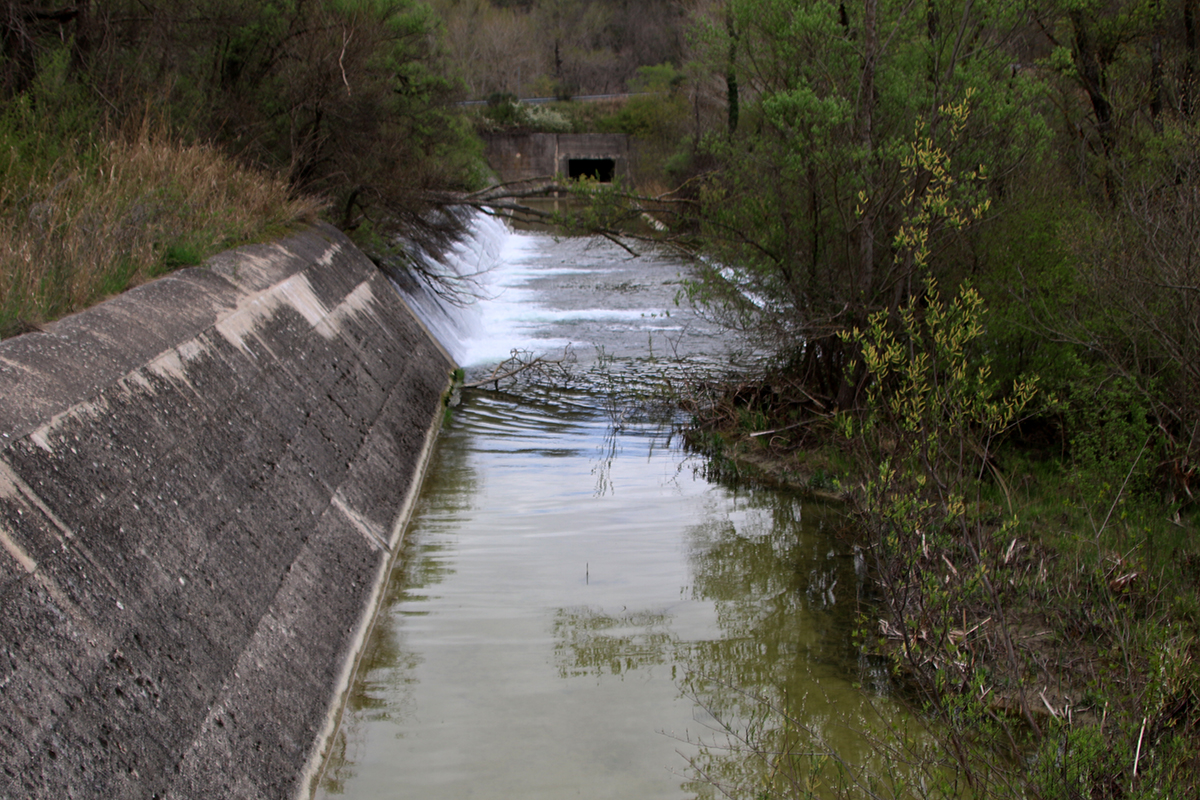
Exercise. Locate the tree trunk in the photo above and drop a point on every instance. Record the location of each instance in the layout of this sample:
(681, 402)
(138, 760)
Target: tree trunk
(731, 80)
(1093, 64)
(1191, 59)
(866, 134)
(1156, 76)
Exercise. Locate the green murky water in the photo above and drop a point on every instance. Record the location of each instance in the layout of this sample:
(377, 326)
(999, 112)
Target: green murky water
(577, 607)
(578, 611)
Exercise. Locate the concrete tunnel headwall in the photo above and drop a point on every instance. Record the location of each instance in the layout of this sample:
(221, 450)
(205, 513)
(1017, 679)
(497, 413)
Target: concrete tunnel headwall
(202, 482)
(528, 156)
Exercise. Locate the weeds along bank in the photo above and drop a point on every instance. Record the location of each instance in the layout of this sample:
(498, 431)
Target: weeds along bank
(97, 221)
(200, 487)
(1041, 610)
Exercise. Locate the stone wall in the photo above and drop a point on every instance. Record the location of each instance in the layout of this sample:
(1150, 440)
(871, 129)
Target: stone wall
(202, 483)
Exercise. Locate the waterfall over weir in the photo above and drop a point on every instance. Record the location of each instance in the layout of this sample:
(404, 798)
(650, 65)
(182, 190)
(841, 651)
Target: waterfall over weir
(451, 311)
(541, 294)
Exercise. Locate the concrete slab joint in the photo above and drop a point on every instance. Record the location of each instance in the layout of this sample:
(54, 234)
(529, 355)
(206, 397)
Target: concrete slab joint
(202, 483)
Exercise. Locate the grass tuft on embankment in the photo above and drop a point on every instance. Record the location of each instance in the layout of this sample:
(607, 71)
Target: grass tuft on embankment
(92, 218)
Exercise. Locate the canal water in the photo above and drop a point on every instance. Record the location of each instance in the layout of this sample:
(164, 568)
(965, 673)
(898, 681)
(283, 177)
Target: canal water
(578, 611)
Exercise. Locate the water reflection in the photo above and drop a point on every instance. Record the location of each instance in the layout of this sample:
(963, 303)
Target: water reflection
(592, 642)
(549, 633)
(579, 611)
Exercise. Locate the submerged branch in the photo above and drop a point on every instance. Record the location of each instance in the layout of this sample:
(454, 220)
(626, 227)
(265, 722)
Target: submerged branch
(522, 361)
(505, 199)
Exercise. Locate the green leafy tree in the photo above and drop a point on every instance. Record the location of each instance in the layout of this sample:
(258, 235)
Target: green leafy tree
(347, 98)
(804, 211)
(657, 112)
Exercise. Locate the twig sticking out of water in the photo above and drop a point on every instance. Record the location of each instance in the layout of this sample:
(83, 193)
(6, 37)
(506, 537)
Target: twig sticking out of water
(523, 361)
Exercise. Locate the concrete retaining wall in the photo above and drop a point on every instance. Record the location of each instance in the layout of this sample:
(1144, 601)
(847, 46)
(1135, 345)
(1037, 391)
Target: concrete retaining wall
(524, 156)
(200, 488)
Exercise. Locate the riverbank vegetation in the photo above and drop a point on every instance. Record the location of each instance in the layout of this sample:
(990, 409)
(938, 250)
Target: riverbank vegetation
(966, 233)
(101, 219)
(139, 137)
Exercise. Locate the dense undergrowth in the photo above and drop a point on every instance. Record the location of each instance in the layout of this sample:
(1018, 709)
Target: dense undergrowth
(1033, 580)
(92, 204)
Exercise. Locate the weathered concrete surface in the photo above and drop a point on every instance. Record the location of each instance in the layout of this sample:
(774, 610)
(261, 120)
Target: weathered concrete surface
(523, 156)
(200, 488)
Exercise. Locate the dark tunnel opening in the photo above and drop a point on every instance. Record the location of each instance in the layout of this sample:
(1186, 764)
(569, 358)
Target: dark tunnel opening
(599, 169)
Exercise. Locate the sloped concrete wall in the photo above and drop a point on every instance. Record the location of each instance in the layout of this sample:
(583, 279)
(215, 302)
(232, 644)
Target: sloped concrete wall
(201, 484)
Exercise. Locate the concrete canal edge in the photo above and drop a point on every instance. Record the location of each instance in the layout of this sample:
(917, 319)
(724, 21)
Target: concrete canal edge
(203, 482)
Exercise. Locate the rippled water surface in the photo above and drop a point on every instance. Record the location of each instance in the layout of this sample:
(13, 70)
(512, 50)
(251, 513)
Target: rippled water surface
(576, 605)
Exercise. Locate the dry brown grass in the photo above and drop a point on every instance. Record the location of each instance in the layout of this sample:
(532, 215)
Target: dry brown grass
(122, 212)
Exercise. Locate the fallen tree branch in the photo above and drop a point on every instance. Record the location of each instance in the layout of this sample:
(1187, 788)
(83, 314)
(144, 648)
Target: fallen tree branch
(518, 363)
